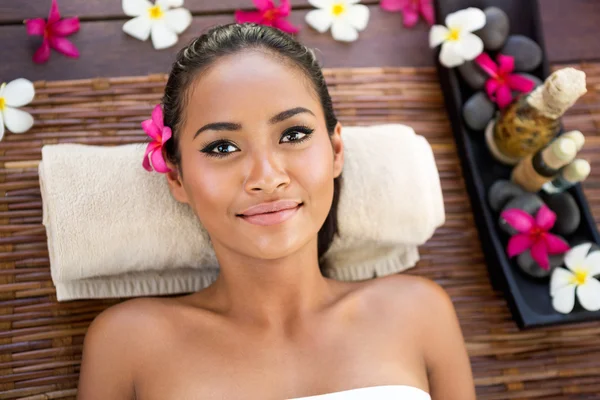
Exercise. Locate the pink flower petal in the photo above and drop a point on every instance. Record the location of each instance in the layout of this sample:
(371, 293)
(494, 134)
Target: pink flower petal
(520, 83)
(545, 218)
(264, 5)
(285, 26)
(65, 27)
(410, 16)
(157, 117)
(555, 245)
(35, 26)
(506, 64)
(503, 96)
(518, 244)
(166, 135)
(54, 15)
(393, 5)
(284, 8)
(427, 11)
(158, 162)
(63, 46)
(485, 63)
(151, 130)
(43, 53)
(518, 219)
(491, 87)
(539, 254)
(242, 17)
(146, 161)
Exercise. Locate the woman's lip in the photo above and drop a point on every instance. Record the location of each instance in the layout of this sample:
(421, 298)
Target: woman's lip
(272, 218)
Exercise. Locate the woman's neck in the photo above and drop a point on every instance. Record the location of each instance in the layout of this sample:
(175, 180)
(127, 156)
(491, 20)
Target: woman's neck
(272, 294)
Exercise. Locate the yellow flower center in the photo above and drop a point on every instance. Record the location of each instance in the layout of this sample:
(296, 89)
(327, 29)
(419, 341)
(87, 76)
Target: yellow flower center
(338, 9)
(156, 12)
(579, 277)
(2, 101)
(454, 34)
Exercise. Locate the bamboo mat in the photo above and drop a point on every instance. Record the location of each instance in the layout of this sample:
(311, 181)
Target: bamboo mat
(41, 339)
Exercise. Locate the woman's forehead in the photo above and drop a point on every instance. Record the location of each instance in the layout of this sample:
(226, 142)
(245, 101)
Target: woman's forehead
(251, 81)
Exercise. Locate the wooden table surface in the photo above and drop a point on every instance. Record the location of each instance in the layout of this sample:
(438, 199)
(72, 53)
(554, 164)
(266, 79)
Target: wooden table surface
(571, 30)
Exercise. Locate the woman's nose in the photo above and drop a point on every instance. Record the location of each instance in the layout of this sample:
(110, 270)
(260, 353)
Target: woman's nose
(266, 174)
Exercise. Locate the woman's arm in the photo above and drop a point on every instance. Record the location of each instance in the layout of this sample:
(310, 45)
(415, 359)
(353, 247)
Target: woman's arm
(448, 364)
(106, 367)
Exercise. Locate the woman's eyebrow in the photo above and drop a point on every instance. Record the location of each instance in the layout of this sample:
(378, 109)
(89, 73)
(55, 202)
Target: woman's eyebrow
(230, 126)
(282, 116)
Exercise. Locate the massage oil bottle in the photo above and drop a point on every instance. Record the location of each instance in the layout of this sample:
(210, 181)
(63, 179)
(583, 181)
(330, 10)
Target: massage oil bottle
(535, 170)
(533, 120)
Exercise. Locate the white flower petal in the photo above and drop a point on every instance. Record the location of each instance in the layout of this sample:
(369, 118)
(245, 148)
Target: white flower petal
(138, 27)
(2, 86)
(1, 126)
(450, 55)
(588, 295)
(470, 45)
(323, 4)
(166, 4)
(178, 20)
(467, 20)
(357, 16)
(560, 278)
(563, 300)
(592, 263)
(135, 8)
(576, 256)
(319, 19)
(162, 36)
(343, 31)
(437, 35)
(17, 121)
(351, 1)
(18, 92)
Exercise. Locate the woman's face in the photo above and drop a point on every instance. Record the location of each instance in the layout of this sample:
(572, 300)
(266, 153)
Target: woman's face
(254, 132)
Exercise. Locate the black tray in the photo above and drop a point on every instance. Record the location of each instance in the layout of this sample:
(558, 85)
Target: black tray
(529, 300)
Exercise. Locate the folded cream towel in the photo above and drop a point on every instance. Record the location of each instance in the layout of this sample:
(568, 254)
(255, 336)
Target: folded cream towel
(114, 229)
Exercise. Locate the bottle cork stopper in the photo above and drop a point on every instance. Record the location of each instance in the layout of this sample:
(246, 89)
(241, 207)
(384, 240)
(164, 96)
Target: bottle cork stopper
(577, 137)
(559, 151)
(577, 171)
(559, 92)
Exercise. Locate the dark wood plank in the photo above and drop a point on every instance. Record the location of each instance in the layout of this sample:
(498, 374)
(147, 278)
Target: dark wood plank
(107, 51)
(18, 10)
(571, 29)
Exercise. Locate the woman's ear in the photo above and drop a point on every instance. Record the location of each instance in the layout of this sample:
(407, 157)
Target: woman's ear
(338, 150)
(176, 184)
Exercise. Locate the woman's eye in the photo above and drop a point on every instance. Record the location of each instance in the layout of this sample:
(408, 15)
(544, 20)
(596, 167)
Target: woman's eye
(224, 148)
(293, 136)
(296, 135)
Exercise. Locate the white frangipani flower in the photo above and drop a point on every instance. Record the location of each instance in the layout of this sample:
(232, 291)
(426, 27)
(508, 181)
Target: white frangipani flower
(15, 94)
(345, 18)
(163, 20)
(578, 278)
(458, 42)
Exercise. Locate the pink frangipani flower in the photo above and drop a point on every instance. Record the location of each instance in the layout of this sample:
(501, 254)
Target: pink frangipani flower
(410, 10)
(502, 80)
(533, 235)
(268, 14)
(160, 134)
(54, 32)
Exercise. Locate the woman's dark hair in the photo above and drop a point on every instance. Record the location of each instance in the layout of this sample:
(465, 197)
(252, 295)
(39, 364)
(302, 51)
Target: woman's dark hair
(229, 39)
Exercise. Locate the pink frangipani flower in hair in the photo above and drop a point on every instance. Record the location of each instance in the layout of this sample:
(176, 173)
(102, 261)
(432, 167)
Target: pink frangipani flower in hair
(533, 235)
(268, 14)
(159, 133)
(411, 9)
(54, 31)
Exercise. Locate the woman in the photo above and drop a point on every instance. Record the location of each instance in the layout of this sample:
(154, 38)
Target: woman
(257, 154)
